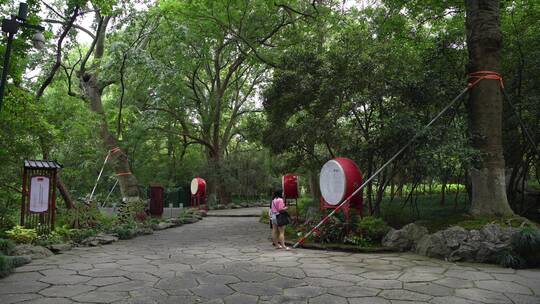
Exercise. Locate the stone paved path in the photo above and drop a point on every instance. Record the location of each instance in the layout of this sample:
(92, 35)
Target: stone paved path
(241, 212)
(230, 260)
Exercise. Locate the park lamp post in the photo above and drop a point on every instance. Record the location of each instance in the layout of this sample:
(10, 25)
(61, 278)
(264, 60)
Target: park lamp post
(11, 27)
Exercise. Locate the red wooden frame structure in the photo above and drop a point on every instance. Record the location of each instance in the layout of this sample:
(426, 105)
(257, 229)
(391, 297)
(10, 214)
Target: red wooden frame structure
(40, 170)
(156, 195)
(346, 208)
(199, 200)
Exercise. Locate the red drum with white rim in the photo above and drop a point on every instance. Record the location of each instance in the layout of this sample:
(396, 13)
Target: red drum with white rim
(339, 178)
(289, 185)
(198, 186)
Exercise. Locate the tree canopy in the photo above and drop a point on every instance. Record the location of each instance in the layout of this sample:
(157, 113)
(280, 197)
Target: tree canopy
(241, 92)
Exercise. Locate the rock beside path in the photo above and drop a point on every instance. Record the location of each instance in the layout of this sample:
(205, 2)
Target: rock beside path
(35, 252)
(58, 248)
(406, 238)
(162, 225)
(453, 244)
(100, 239)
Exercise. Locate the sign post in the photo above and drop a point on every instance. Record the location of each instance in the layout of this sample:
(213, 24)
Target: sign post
(38, 206)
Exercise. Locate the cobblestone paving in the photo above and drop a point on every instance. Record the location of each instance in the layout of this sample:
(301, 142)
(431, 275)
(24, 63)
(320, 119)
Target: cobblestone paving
(242, 212)
(230, 260)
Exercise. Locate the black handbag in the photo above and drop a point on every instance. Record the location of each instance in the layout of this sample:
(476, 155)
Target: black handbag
(283, 218)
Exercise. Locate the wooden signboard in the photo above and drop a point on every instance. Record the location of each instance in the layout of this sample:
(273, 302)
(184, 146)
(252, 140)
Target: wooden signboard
(38, 206)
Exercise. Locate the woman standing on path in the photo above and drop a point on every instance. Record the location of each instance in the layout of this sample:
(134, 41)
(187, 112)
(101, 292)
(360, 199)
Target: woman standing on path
(278, 232)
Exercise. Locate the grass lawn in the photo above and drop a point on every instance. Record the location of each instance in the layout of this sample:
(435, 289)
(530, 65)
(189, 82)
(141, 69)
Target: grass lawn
(429, 213)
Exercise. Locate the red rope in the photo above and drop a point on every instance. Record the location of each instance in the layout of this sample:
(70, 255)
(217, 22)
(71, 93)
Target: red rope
(476, 77)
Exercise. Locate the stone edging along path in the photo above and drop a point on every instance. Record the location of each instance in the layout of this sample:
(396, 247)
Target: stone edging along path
(343, 247)
(28, 253)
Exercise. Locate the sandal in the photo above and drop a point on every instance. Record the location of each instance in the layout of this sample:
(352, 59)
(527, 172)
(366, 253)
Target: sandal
(279, 246)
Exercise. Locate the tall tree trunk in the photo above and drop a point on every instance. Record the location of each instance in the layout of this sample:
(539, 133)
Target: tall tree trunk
(126, 180)
(484, 41)
(217, 185)
(314, 185)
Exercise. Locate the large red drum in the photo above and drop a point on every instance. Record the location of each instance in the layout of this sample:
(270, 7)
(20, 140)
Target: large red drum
(289, 185)
(198, 186)
(339, 178)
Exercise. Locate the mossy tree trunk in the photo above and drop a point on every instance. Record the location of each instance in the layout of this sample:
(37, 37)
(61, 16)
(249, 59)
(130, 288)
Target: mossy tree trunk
(484, 42)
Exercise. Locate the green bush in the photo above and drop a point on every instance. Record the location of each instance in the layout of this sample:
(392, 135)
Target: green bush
(305, 203)
(7, 263)
(126, 230)
(22, 235)
(77, 235)
(6, 246)
(81, 217)
(5, 266)
(372, 228)
(333, 231)
(105, 222)
(526, 244)
(63, 232)
(358, 240)
(510, 259)
(49, 239)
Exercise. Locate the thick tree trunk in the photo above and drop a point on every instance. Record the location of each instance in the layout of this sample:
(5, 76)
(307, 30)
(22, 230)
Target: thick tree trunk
(126, 180)
(64, 192)
(484, 41)
(217, 184)
(314, 185)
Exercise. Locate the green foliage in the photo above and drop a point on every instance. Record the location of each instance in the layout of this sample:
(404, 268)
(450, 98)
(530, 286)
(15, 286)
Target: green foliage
(6, 246)
(372, 228)
(5, 266)
(524, 251)
(83, 216)
(125, 231)
(63, 232)
(358, 240)
(17, 261)
(7, 263)
(526, 243)
(333, 231)
(106, 222)
(427, 211)
(510, 259)
(77, 235)
(22, 235)
(49, 239)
